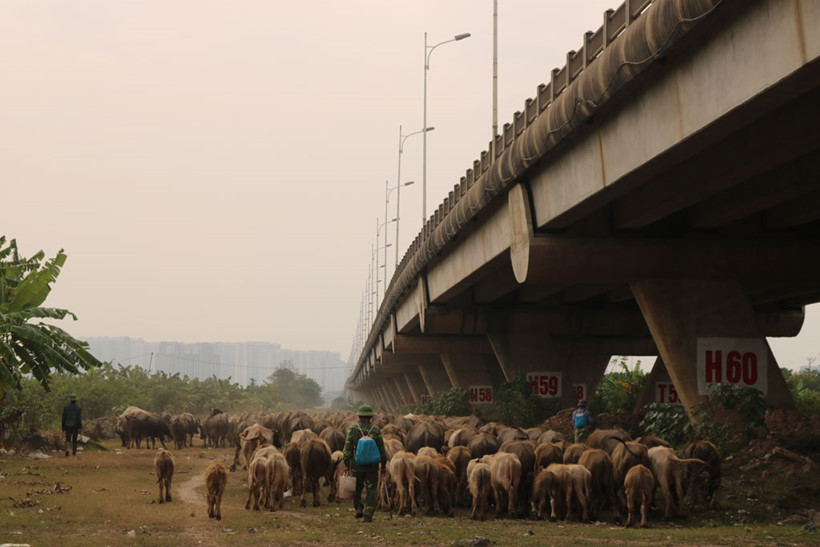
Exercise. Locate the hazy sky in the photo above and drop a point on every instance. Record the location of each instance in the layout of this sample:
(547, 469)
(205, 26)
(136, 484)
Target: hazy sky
(214, 170)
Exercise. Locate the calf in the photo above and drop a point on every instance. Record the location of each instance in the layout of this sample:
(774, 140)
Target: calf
(426, 481)
(216, 477)
(446, 477)
(277, 480)
(479, 481)
(402, 470)
(505, 470)
(460, 456)
(639, 485)
(257, 482)
(573, 452)
(164, 469)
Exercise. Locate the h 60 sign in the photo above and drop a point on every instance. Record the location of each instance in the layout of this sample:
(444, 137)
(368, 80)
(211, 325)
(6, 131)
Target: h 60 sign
(742, 361)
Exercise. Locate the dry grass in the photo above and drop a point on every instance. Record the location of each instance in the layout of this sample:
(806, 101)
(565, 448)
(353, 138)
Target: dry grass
(110, 495)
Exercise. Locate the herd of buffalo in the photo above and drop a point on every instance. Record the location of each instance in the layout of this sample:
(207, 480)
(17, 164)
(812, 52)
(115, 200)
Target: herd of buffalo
(436, 463)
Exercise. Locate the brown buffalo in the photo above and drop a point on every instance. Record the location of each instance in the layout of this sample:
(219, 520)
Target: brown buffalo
(164, 469)
(479, 480)
(426, 481)
(650, 441)
(277, 480)
(334, 438)
(603, 491)
(546, 454)
(302, 436)
(426, 433)
(294, 458)
(573, 452)
(315, 461)
(708, 452)
(505, 434)
(216, 477)
(525, 453)
(250, 439)
(482, 444)
(505, 470)
(639, 485)
(257, 482)
(666, 467)
(607, 439)
(391, 446)
(402, 470)
(460, 456)
(214, 430)
(446, 481)
(461, 436)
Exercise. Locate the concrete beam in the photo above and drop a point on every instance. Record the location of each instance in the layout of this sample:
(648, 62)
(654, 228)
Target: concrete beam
(614, 261)
(406, 344)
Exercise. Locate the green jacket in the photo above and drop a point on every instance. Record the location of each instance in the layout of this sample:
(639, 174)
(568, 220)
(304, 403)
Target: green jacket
(354, 433)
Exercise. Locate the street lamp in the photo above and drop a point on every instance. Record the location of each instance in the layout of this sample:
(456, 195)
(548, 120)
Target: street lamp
(387, 190)
(428, 50)
(379, 226)
(402, 138)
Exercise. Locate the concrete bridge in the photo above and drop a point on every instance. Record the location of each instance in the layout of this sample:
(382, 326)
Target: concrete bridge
(658, 196)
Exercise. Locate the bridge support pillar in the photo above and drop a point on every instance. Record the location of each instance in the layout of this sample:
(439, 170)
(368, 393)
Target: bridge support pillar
(648, 394)
(706, 332)
(415, 384)
(389, 398)
(435, 378)
(466, 369)
(575, 362)
(402, 390)
(393, 392)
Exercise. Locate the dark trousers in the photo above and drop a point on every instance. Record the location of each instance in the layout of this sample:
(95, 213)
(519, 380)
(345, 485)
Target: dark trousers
(71, 439)
(366, 477)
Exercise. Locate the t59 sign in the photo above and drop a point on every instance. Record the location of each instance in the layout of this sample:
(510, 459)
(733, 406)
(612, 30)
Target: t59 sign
(742, 361)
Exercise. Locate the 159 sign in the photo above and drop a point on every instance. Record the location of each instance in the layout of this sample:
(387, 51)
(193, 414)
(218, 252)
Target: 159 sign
(481, 394)
(545, 384)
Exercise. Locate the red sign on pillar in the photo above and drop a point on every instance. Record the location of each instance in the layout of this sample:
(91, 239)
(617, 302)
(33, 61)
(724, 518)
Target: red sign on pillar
(481, 394)
(545, 384)
(742, 361)
(425, 398)
(666, 393)
(580, 391)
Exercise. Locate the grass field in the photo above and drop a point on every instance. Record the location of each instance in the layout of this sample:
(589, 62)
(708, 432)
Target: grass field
(109, 497)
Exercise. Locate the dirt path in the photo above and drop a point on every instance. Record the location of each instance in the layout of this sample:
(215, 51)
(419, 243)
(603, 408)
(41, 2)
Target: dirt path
(186, 491)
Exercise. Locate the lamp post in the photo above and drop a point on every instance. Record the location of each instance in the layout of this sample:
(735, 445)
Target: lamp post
(379, 226)
(402, 138)
(387, 190)
(428, 50)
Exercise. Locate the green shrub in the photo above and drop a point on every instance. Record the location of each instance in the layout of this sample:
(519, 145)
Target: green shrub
(619, 391)
(667, 421)
(453, 402)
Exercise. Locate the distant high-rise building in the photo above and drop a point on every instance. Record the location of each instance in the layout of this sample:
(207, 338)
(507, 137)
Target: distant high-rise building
(239, 361)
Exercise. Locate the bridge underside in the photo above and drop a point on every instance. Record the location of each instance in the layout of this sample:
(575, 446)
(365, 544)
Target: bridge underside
(683, 220)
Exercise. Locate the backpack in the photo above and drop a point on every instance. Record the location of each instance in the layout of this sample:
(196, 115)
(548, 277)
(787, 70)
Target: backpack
(581, 420)
(367, 451)
(71, 418)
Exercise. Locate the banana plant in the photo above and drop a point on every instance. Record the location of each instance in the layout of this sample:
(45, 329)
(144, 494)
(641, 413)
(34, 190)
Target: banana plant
(27, 344)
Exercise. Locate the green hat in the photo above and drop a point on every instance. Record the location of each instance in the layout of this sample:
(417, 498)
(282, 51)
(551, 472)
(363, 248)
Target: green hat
(72, 397)
(365, 410)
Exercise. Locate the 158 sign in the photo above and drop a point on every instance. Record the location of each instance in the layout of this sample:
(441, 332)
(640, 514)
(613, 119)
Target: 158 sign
(481, 394)
(545, 384)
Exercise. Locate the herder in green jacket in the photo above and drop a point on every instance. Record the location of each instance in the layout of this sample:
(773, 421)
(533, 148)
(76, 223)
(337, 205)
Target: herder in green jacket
(367, 476)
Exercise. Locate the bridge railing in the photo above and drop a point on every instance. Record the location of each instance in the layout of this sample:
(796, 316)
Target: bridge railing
(536, 115)
(615, 22)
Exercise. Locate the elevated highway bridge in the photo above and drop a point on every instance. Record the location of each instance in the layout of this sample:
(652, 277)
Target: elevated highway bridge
(658, 196)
